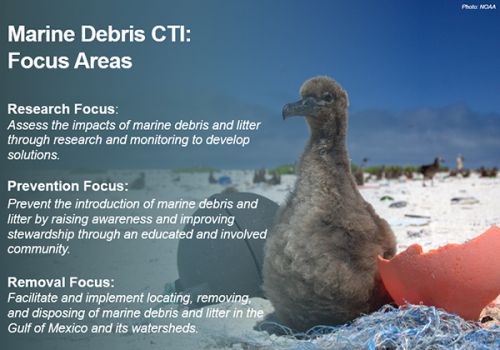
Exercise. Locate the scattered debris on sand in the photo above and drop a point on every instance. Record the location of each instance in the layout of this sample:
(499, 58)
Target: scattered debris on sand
(398, 204)
(464, 200)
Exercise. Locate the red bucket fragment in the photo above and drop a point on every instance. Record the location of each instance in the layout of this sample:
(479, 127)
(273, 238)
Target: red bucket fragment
(460, 278)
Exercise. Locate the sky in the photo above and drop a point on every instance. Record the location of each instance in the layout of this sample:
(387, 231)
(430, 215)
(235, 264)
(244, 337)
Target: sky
(422, 76)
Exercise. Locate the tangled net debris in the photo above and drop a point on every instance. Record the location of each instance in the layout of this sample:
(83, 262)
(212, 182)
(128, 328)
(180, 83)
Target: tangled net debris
(410, 327)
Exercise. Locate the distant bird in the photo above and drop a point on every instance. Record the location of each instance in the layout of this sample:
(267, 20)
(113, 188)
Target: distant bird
(483, 172)
(429, 170)
(379, 173)
(275, 179)
(488, 172)
(259, 176)
(320, 264)
(494, 172)
(393, 172)
(408, 173)
(460, 170)
(359, 174)
(460, 162)
(211, 178)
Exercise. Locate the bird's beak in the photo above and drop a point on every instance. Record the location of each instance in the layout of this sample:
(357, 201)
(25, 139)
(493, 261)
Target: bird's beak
(308, 106)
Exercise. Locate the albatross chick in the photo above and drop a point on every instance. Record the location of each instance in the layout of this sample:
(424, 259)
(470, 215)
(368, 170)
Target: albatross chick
(320, 265)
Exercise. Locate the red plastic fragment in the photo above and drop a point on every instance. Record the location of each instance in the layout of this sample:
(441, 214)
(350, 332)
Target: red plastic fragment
(460, 278)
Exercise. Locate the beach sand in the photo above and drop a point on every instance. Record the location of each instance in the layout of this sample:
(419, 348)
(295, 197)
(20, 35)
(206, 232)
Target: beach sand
(146, 266)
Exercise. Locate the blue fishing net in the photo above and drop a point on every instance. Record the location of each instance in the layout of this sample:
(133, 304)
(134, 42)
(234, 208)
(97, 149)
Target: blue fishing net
(412, 327)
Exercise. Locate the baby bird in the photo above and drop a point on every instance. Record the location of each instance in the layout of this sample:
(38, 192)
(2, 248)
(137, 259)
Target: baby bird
(320, 265)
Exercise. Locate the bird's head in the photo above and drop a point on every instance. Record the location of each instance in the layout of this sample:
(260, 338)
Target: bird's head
(323, 101)
(438, 160)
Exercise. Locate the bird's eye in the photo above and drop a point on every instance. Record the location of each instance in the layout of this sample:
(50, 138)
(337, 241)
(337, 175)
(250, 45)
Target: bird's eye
(327, 97)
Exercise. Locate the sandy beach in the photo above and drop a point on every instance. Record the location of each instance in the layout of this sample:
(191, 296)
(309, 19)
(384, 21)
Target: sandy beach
(453, 210)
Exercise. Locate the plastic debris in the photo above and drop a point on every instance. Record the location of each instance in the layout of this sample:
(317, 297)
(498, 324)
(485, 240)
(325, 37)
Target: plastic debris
(464, 200)
(460, 278)
(224, 180)
(415, 327)
(398, 204)
(409, 221)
